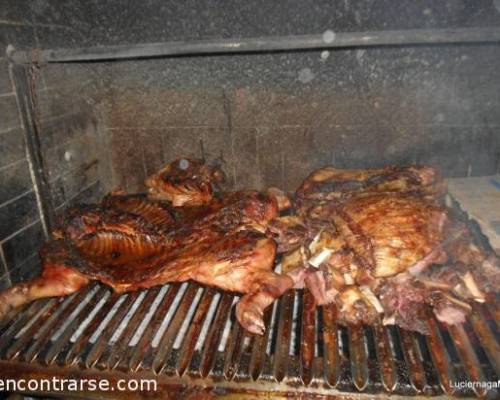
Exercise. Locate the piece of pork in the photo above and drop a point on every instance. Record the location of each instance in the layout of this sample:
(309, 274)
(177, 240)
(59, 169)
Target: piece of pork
(180, 231)
(226, 248)
(333, 184)
(185, 182)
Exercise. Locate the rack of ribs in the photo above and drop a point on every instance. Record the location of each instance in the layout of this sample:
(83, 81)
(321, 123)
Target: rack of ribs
(132, 242)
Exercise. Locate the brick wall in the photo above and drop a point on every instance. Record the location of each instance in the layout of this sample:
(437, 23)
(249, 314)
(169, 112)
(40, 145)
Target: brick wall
(274, 117)
(68, 135)
(364, 108)
(20, 229)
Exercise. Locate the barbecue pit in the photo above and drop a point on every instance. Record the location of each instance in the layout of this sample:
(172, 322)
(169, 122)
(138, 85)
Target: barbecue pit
(349, 85)
(185, 337)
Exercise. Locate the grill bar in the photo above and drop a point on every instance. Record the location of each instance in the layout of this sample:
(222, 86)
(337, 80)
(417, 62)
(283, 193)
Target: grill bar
(114, 352)
(440, 358)
(386, 358)
(283, 336)
(413, 361)
(214, 335)
(96, 349)
(259, 349)
(486, 337)
(233, 351)
(77, 347)
(136, 343)
(359, 368)
(308, 338)
(194, 331)
(142, 353)
(14, 316)
(493, 306)
(21, 324)
(45, 330)
(61, 342)
(160, 362)
(331, 346)
(469, 358)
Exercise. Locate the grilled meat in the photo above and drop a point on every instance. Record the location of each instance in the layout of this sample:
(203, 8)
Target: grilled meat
(379, 233)
(152, 211)
(184, 182)
(225, 248)
(378, 243)
(404, 301)
(390, 233)
(330, 184)
(289, 232)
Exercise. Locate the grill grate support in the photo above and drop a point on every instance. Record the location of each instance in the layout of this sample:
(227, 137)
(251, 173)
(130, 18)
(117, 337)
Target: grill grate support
(185, 331)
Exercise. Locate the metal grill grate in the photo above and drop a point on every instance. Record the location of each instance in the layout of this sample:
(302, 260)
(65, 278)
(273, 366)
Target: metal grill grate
(190, 332)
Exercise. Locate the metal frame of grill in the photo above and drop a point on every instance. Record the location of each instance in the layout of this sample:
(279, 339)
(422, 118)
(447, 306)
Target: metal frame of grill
(187, 338)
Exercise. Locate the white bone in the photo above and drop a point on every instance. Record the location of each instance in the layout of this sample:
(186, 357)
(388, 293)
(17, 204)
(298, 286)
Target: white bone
(320, 257)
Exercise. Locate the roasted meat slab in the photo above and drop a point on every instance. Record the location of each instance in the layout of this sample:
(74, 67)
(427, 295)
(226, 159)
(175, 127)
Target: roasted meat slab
(185, 182)
(380, 245)
(330, 184)
(130, 243)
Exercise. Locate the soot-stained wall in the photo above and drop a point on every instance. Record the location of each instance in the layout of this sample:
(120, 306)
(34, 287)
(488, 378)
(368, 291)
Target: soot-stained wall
(275, 117)
(68, 136)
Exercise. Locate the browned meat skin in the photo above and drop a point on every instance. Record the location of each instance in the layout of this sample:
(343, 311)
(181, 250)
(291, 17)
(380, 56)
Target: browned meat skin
(184, 182)
(154, 212)
(331, 184)
(226, 248)
(289, 232)
(388, 229)
(119, 230)
(116, 248)
(84, 220)
(57, 279)
(390, 232)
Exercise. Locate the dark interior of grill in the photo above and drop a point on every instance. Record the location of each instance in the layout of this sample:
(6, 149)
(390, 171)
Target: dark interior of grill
(96, 96)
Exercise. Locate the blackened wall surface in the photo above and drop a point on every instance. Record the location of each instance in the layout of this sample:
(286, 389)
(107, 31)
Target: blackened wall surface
(20, 227)
(96, 22)
(68, 129)
(16, 195)
(275, 117)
